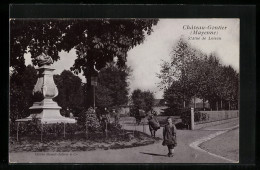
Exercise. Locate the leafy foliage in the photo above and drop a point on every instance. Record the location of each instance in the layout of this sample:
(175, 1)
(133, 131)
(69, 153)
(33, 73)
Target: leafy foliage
(190, 73)
(31, 35)
(88, 119)
(95, 40)
(21, 86)
(181, 67)
(185, 116)
(70, 96)
(174, 99)
(103, 96)
(142, 103)
(100, 40)
(112, 89)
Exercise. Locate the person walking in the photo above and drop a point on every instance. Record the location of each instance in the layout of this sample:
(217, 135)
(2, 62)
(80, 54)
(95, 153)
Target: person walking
(153, 123)
(169, 136)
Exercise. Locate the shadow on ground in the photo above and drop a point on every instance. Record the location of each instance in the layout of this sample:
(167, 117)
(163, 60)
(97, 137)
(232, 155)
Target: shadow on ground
(153, 154)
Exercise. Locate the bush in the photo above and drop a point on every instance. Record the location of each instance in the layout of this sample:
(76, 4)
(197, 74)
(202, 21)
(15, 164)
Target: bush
(185, 116)
(34, 127)
(198, 116)
(115, 128)
(92, 122)
(89, 118)
(58, 129)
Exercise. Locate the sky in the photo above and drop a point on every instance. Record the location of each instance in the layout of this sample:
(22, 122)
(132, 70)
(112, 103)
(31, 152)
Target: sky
(145, 59)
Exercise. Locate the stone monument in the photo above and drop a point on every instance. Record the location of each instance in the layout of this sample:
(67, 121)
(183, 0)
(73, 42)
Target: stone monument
(44, 108)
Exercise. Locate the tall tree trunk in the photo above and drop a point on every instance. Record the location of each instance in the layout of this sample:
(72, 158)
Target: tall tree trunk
(217, 105)
(229, 105)
(89, 90)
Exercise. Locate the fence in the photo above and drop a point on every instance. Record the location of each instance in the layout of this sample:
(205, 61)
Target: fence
(206, 118)
(129, 123)
(211, 116)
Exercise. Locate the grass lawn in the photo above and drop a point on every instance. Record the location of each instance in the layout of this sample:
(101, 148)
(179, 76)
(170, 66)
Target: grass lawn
(226, 145)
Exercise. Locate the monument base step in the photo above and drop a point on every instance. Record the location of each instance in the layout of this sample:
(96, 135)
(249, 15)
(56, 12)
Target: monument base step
(47, 120)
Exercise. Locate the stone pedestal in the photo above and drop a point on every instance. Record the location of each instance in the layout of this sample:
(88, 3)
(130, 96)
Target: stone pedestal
(46, 110)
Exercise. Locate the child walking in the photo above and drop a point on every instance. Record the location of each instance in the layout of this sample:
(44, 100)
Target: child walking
(169, 136)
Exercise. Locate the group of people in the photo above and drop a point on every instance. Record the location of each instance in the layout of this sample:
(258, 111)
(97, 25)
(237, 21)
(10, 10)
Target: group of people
(169, 132)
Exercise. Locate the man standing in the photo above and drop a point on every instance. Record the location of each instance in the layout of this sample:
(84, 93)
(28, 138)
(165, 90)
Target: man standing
(153, 123)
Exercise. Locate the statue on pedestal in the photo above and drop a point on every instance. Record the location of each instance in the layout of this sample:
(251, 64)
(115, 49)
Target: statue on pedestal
(45, 87)
(44, 108)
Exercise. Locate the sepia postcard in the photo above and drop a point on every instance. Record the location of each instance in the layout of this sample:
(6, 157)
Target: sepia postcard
(126, 90)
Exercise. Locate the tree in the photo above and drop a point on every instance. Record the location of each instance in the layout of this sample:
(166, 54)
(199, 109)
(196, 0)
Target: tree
(230, 87)
(102, 39)
(212, 82)
(31, 35)
(95, 40)
(142, 100)
(181, 71)
(174, 99)
(148, 101)
(21, 87)
(103, 97)
(70, 89)
(112, 89)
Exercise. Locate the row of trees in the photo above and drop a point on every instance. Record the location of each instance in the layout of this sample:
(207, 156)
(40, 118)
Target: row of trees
(190, 74)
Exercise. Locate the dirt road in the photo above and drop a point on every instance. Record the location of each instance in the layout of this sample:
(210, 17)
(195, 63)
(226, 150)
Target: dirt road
(155, 153)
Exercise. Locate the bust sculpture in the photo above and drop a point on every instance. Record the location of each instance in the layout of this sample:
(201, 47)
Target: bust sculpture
(44, 58)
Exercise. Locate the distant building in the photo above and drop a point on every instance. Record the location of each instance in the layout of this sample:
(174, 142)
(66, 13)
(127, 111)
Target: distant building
(199, 103)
